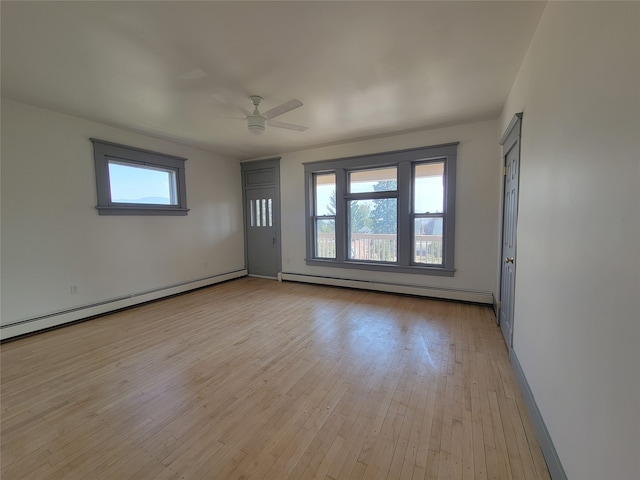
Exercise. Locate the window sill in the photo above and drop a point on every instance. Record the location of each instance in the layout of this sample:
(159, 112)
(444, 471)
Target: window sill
(142, 210)
(381, 267)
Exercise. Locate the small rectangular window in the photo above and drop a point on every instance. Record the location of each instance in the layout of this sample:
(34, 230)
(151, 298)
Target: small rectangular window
(374, 180)
(132, 181)
(261, 212)
(141, 184)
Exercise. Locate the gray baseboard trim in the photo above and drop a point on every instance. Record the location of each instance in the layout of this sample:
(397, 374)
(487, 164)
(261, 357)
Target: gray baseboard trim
(548, 450)
(54, 319)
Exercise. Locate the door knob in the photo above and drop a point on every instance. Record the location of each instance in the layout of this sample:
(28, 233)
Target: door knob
(508, 260)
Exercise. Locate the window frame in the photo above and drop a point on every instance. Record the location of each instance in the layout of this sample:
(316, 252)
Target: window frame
(315, 217)
(104, 151)
(367, 196)
(435, 215)
(404, 160)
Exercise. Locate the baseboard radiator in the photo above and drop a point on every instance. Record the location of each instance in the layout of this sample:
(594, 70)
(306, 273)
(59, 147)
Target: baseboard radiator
(474, 296)
(42, 322)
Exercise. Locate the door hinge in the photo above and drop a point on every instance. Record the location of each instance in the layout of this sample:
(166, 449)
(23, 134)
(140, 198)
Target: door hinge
(504, 171)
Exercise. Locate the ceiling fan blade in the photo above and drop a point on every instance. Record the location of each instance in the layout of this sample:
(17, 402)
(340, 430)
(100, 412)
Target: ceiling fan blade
(223, 116)
(288, 126)
(227, 98)
(284, 108)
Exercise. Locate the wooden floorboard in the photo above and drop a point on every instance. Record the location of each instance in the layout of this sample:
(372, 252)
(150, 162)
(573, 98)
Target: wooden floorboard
(255, 379)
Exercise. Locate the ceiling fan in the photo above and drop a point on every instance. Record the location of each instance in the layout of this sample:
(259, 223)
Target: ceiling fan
(257, 122)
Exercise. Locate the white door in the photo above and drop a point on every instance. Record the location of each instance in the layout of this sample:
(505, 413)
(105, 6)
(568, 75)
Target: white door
(511, 155)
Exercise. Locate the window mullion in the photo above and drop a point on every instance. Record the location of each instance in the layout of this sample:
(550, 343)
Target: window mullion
(448, 217)
(341, 215)
(310, 227)
(371, 195)
(405, 206)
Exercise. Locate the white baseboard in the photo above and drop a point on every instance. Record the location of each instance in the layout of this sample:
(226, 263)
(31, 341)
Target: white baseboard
(418, 290)
(55, 319)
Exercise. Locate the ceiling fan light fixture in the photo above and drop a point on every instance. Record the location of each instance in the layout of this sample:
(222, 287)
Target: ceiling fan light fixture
(256, 124)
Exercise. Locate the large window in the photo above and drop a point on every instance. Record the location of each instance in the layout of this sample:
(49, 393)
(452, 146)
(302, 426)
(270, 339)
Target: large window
(131, 181)
(391, 211)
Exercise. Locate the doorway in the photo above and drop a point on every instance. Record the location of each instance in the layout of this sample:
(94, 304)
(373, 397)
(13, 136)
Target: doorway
(261, 193)
(511, 156)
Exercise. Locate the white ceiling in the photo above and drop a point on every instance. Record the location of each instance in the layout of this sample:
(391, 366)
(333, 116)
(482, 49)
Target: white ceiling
(180, 70)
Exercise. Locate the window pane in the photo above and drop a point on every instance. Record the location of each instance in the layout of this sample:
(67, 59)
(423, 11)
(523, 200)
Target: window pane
(428, 241)
(326, 238)
(375, 180)
(428, 188)
(373, 230)
(141, 184)
(325, 194)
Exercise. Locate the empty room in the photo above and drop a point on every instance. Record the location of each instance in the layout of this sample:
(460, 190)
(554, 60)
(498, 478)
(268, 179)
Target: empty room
(309, 239)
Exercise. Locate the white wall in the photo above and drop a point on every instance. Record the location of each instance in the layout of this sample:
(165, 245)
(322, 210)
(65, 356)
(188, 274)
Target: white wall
(53, 237)
(477, 194)
(577, 318)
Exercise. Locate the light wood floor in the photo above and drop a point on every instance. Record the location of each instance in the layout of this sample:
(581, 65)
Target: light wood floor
(255, 379)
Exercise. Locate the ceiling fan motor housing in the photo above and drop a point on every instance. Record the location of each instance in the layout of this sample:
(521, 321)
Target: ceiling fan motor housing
(256, 124)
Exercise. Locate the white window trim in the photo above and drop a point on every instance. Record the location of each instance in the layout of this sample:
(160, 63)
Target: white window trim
(404, 160)
(103, 151)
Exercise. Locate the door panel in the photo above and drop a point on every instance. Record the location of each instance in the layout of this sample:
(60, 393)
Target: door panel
(261, 186)
(261, 232)
(509, 223)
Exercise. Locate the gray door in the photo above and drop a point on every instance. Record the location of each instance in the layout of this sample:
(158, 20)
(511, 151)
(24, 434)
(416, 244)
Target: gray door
(261, 232)
(511, 154)
(262, 217)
